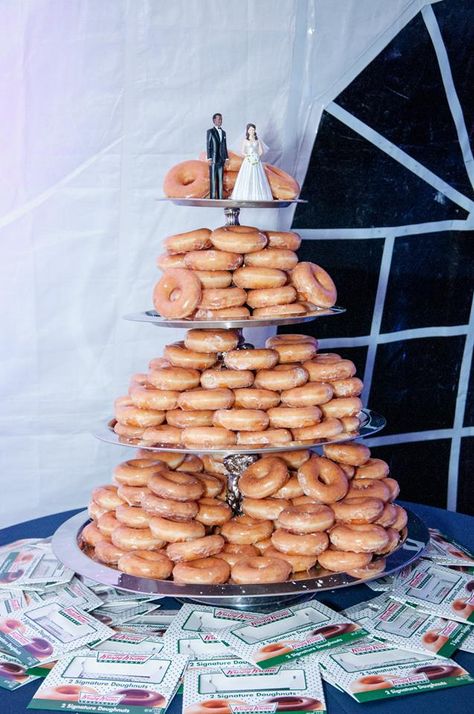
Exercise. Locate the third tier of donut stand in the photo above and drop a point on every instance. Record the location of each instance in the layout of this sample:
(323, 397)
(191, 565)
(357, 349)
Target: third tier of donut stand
(66, 541)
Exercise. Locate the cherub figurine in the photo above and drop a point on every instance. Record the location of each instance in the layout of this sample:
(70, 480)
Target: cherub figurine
(251, 183)
(216, 156)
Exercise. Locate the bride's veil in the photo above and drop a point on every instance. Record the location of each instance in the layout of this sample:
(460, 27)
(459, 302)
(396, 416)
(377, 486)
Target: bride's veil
(237, 146)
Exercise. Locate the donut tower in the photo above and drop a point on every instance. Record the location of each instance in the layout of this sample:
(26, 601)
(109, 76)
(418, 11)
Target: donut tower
(227, 486)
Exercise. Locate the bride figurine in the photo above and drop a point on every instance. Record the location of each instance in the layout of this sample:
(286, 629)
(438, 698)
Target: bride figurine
(251, 183)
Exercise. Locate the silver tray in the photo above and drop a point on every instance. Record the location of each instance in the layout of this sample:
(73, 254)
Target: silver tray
(228, 203)
(154, 318)
(66, 547)
(371, 424)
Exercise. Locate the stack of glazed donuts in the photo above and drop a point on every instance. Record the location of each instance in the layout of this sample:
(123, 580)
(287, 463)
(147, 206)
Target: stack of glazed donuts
(210, 391)
(166, 516)
(190, 179)
(235, 272)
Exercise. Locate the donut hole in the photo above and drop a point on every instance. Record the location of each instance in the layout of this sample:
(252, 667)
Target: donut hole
(175, 294)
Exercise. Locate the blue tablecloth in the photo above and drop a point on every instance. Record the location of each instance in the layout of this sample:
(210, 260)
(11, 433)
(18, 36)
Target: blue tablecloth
(456, 525)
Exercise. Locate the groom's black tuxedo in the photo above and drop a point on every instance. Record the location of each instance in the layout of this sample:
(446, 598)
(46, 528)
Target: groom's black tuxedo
(217, 152)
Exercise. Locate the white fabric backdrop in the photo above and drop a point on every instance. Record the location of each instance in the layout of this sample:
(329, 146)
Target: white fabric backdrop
(100, 98)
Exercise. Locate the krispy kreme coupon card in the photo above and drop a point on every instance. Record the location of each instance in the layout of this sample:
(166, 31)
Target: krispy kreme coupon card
(116, 682)
(72, 593)
(438, 590)
(236, 687)
(192, 630)
(445, 551)
(13, 673)
(131, 642)
(409, 627)
(44, 632)
(29, 565)
(285, 635)
(373, 671)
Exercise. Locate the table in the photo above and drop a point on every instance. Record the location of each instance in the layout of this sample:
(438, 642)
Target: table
(458, 526)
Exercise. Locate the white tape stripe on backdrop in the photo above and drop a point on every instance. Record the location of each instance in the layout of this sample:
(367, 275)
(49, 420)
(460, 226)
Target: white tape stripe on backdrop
(413, 436)
(412, 229)
(386, 337)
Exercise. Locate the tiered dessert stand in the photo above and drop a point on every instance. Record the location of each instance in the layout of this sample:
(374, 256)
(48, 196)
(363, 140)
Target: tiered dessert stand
(67, 539)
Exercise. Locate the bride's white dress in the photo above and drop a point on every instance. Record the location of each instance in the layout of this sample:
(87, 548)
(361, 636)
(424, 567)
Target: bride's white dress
(251, 183)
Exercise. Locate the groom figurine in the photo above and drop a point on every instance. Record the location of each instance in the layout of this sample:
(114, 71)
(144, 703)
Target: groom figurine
(216, 156)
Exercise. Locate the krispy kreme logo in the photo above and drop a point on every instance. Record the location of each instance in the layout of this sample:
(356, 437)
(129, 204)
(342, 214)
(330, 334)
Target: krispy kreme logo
(122, 658)
(245, 671)
(231, 615)
(274, 617)
(363, 649)
(391, 610)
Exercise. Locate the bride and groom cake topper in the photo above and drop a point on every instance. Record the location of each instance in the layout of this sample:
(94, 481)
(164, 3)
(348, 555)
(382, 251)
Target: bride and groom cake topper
(251, 183)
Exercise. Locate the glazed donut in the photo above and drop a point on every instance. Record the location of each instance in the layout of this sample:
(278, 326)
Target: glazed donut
(107, 497)
(351, 424)
(181, 356)
(358, 510)
(241, 419)
(136, 472)
(269, 437)
(67, 692)
(276, 258)
(229, 180)
(244, 530)
(108, 553)
(393, 541)
(212, 260)
(148, 397)
(326, 429)
(213, 512)
(367, 538)
(371, 682)
(283, 239)
(255, 278)
(279, 380)
(342, 561)
(127, 538)
(294, 308)
(143, 418)
(260, 570)
(402, 518)
(283, 186)
(177, 294)
(158, 363)
(263, 478)
(328, 371)
(168, 531)
(176, 485)
(141, 698)
(191, 240)
(373, 468)
(107, 523)
(213, 486)
(208, 437)
(165, 261)
(314, 284)
(299, 563)
(323, 480)
(251, 359)
(91, 535)
(191, 464)
(213, 278)
(295, 459)
(264, 509)
(271, 296)
(227, 313)
(164, 435)
(133, 495)
(351, 387)
(307, 518)
(311, 544)
(388, 515)
(293, 351)
(393, 486)
(188, 179)
(211, 340)
(228, 378)
(290, 339)
(342, 407)
(238, 239)
(95, 511)
(373, 570)
(132, 516)
(146, 564)
(255, 398)
(351, 454)
(287, 703)
(174, 378)
(293, 417)
(184, 419)
(170, 458)
(219, 298)
(168, 508)
(292, 488)
(195, 549)
(233, 552)
(439, 671)
(206, 399)
(202, 571)
(214, 465)
(310, 394)
(373, 488)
